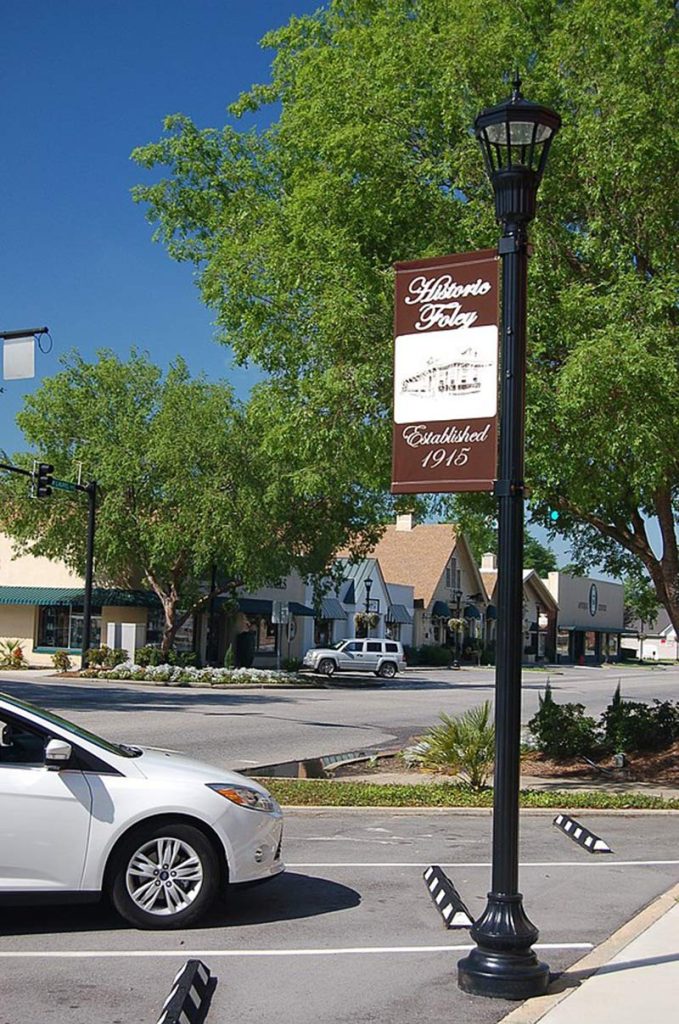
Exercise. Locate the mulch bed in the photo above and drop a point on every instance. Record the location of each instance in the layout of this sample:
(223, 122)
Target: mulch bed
(652, 767)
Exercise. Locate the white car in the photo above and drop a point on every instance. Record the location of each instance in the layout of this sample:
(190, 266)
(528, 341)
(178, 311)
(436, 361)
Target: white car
(158, 832)
(383, 657)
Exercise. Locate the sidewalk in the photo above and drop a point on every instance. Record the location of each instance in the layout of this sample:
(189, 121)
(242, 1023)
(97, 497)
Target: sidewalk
(631, 977)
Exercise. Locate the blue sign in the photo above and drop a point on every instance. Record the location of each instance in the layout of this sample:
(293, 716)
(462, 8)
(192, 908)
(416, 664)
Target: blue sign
(593, 599)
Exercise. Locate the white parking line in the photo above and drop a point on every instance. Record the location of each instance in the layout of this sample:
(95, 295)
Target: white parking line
(481, 864)
(206, 953)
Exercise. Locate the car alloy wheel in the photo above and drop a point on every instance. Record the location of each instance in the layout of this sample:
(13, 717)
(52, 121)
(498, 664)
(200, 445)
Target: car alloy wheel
(327, 667)
(165, 876)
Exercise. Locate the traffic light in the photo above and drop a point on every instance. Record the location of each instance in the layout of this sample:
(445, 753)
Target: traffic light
(43, 481)
(553, 515)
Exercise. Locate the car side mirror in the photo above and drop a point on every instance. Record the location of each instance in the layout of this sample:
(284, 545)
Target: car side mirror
(57, 754)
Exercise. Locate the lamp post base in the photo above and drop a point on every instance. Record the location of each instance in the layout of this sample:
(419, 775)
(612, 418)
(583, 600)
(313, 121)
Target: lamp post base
(503, 965)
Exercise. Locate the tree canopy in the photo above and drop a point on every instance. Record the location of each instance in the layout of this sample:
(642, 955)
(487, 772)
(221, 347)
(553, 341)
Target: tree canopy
(294, 230)
(191, 488)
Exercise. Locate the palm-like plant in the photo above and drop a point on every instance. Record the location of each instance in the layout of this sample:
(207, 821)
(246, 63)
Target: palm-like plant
(464, 745)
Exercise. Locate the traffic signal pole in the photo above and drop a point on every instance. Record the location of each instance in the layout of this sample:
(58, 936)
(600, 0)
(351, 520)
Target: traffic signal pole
(44, 483)
(91, 491)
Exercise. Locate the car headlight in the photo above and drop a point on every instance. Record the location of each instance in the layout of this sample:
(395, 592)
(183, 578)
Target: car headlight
(245, 797)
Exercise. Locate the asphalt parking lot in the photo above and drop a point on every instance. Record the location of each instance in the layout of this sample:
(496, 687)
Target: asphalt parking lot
(349, 932)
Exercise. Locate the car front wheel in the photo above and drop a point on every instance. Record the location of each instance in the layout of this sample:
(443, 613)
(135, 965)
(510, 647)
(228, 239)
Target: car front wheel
(327, 667)
(165, 876)
(387, 670)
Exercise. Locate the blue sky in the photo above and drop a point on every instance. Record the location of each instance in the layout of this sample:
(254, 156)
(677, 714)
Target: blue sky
(83, 82)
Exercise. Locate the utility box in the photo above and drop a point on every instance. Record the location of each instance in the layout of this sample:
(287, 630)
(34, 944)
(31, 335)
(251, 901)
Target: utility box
(127, 636)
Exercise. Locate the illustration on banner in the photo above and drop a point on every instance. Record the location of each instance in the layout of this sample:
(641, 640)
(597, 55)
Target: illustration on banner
(446, 375)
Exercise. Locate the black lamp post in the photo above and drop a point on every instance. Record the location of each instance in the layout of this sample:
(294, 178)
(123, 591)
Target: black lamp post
(515, 138)
(457, 597)
(368, 586)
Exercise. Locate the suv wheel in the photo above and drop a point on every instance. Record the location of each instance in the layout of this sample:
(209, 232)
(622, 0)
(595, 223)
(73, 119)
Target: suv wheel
(387, 670)
(327, 667)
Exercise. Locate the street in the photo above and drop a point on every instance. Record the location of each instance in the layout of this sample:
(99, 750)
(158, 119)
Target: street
(349, 932)
(242, 728)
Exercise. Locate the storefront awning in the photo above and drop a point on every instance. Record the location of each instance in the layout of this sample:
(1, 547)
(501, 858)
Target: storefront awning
(331, 608)
(255, 606)
(472, 612)
(440, 610)
(76, 595)
(260, 606)
(399, 613)
(301, 609)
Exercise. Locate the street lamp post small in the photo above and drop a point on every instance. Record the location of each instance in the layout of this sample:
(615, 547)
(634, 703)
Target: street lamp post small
(368, 586)
(457, 597)
(515, 137)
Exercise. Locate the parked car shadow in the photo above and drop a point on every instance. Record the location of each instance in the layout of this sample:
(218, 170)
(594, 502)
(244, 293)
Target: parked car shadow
(286, 898)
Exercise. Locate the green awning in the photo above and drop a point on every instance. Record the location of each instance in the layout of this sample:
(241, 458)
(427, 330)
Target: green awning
(399, 613)
(76, 595)
(440, 610)
(301, 609)
(331, 608)
(255, 606)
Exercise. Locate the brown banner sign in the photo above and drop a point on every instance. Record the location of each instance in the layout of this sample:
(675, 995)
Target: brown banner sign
(445, 374)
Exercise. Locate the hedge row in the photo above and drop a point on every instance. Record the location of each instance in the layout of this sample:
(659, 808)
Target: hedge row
(176, 675)
(322, 793)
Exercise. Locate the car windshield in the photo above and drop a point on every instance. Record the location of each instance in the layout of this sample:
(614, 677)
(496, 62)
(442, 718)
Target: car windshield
(121, 749)
(338, 646)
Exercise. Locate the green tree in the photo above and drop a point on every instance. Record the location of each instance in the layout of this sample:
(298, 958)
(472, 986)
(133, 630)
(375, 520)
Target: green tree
(537, 556)
(190, 486)
(294, 229)
(641, 600)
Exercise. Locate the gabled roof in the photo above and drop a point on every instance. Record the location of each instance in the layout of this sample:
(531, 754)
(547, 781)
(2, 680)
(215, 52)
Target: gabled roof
(418, 556)
(489, 577)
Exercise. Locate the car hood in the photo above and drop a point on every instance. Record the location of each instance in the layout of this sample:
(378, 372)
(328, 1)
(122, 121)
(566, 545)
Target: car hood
(155, 762)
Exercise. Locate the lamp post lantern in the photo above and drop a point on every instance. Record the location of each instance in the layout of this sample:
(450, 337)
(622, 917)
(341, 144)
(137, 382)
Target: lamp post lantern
(368, 586)
(515, 138)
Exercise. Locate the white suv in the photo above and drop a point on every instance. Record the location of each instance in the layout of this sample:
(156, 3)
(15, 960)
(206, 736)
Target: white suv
(383, 657)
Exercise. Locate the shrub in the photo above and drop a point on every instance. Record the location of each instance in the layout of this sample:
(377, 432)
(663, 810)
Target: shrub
(634, 726)
(11, 654)
(61, 661)
(430, 654)
(184, 659)
(149, 655)
(106, 657)
(563, 730)
(229, 657)
(464, 745)
(291, 664)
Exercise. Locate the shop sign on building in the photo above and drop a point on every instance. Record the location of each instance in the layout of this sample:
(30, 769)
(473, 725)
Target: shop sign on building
(445, 374)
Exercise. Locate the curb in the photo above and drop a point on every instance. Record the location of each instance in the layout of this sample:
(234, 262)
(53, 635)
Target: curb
(631, 812)
(534, 1010)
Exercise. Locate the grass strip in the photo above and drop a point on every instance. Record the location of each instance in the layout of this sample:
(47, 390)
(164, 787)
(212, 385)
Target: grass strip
(322, 793)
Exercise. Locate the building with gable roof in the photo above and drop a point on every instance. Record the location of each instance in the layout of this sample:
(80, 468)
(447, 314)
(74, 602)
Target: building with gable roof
(436, 561)
(540, 612)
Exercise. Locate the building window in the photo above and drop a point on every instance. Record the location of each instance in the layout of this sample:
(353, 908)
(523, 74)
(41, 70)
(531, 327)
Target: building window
(392, 630)
(563, 644)
(155, 626)
(452, 575)
(61, 626)
(267, 635)
(322, 632)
